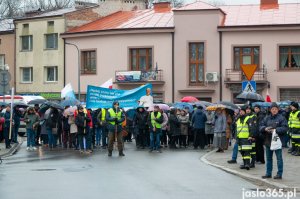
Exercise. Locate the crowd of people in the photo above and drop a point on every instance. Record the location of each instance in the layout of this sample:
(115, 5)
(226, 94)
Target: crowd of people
(85, 130)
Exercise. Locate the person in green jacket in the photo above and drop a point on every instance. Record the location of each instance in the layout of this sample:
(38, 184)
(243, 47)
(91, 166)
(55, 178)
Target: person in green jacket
(32, 120)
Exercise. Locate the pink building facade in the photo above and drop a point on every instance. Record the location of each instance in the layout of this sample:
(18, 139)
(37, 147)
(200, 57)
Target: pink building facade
(195, 50)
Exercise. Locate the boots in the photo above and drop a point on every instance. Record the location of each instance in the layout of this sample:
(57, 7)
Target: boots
(243, 165)
(247, 164)
(252, 164)
(121, 153)
(109, 153)
(291, 150)
(297, 151)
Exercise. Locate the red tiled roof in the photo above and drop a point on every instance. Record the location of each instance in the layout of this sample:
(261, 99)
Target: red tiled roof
(249, 15)
(236, 15)
(130, 19)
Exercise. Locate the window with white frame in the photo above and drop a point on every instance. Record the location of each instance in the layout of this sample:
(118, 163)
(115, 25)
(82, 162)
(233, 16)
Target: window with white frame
(26, 75)
(2, 61)
(51, 41)
(26, 43)
(51, 74)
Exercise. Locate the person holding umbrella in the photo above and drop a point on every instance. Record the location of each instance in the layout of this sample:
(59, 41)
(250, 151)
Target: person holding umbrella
(7, 126)
(115, 117)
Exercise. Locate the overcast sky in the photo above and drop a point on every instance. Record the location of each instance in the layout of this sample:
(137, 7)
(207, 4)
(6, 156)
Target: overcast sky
(228, 2)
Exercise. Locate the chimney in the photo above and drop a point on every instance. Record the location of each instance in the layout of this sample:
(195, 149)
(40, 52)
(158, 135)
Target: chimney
(269, 4)
(162, 6)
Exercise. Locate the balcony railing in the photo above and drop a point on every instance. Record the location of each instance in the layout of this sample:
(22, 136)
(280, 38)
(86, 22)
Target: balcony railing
(139, 76)
(238, 76)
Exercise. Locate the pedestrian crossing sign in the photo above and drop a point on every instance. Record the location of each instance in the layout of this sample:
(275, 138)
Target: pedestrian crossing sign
(249, 86)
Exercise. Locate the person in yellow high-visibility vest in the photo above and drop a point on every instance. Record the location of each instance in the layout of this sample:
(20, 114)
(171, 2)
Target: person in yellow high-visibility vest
(101, 118)
(294, 128)
(244, 138)
(252, 121)
(156, 119)
(115, 117)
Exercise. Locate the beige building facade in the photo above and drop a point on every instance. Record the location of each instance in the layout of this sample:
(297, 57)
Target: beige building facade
(40, 50)
(7, 52)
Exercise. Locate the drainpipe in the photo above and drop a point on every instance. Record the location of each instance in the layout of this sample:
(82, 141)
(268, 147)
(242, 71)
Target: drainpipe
(64, 62)
(173, 70)
(221, 68)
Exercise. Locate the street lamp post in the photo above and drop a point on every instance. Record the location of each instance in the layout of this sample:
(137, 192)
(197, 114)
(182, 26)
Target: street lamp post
(78, 67)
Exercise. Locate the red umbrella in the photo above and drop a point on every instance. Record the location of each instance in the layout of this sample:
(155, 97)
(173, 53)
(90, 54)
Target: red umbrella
(189, 99)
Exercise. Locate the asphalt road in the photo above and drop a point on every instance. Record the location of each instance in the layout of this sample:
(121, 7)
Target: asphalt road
(66, 174)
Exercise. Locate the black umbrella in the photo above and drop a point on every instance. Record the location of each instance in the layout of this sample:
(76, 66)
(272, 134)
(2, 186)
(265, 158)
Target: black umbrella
(37, 101)
(250, 96)
(20, 105)
(53, 105)
(229, 104)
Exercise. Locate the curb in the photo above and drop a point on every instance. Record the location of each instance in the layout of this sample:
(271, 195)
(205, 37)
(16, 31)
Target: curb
(253, 179)
(12, 151)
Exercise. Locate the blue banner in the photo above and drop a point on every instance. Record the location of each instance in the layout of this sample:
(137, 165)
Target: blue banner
(98, 97)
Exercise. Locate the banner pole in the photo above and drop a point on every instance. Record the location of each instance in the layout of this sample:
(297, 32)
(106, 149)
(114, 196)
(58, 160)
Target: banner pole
(11, 111)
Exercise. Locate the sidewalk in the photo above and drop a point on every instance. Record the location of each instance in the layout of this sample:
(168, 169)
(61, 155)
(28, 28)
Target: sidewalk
(7, 152)
(291, 174)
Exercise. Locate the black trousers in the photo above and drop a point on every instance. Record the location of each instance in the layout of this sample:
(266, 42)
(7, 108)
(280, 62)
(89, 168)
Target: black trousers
(260, 152)
(6, 137)
(163, 139)
(209, 138)
(142, 138)
(183, 140)
(173, 140)
(199, 138)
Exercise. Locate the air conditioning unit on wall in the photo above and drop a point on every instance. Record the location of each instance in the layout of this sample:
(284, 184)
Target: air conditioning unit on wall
(211, 77)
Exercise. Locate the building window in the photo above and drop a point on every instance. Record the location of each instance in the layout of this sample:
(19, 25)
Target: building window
(51, 41)
(289, 57)
(158, 97)
(141, 59)
(26, 25)
(26, 75)
(292, 94)
(2, 61)
(51, 74)
(246, 56)
(88, 65)
(50, 23)
(196, 63)
(26, 43)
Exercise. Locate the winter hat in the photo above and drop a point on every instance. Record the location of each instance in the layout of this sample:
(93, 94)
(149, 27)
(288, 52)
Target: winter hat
(243, 108)
(116, 102)
(257, 106)
(274, 104)
(295, 104)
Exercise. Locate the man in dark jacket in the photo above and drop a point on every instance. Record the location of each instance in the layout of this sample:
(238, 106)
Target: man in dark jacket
(66, 130)
(140, 123)
(7, 127)
(17, 119)
(198, 124)
(260, 115)
(115, 117)
(272, 122)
